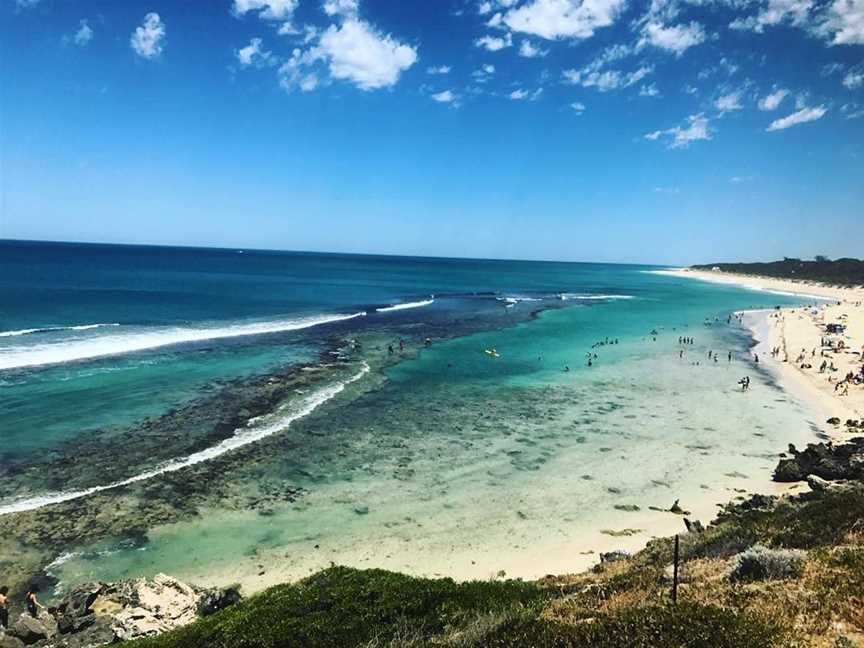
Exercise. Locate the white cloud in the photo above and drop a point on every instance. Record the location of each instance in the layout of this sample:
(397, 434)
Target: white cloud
(494, 43)
(696, 129)
(772, 101)
(484, 8)
(852, 110)
(445, 96)
(649, 90)
(84, 34)
(341, 7)
(556, 19)
(728, 102)
(520, 94)
(801, 117)
(775, 12)
(267, 9)
(146, 40)
(354, 51)
(439, 69)
(357, 52)
(254, 54)
(740, 179)
(854, 79)
(578, 107)
(606, 80)
(528, 50)
(667, 190)
(482, 74)
(845, 22)
(677, 38)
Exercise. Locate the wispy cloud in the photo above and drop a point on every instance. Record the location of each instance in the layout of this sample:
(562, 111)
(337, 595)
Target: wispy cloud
(773, 100)
(801, 117)
(695, 129)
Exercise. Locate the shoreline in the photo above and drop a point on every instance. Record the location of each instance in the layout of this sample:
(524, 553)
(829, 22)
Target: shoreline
(792, 328)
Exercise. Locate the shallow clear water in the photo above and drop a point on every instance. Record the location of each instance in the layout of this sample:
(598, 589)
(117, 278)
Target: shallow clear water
(448, 461)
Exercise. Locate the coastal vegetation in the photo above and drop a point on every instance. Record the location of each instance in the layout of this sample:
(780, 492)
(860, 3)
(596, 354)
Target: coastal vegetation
(768, 572)
(839, 272)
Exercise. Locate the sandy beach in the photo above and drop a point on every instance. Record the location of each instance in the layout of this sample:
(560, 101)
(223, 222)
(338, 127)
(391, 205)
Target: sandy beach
(801, 343)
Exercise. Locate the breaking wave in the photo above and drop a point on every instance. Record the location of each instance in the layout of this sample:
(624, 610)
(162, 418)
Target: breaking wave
(397, 307)
(86, 348)
(241, 437)
(54, 329)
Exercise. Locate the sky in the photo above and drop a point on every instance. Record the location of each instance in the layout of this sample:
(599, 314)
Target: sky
(671, 132)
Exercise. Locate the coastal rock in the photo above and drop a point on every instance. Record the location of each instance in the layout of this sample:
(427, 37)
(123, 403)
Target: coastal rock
(151, 607)
(614, 556)
(833, 421)
(213, 600)
(694, 526)
(8, 641)
(824, 460)
(31, 631)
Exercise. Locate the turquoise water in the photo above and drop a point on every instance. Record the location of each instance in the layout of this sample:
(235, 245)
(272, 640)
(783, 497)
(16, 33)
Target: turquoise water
(244, 419)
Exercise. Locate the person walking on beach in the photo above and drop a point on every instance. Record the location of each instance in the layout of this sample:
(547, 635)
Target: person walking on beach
(729, 356)
(32, 602)
(4, 607)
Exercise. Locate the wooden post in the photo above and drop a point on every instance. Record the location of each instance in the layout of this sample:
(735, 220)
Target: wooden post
(675, 574)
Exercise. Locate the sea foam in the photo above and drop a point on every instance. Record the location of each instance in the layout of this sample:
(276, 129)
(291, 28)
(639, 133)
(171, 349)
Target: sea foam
(86, 348)
(397, 307)
(53, 329)
(241, 437)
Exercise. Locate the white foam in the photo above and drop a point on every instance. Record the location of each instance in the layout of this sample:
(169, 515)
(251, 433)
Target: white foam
(147, 338)
(397, 307)
(569, 296)
(241, 437)
(52, 329)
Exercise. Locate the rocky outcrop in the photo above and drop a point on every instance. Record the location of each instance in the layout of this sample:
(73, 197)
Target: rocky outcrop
(30, 630)
(824, 460)
(94, 614)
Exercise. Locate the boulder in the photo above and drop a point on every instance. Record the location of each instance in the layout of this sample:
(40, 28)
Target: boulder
(833, 421)
(8, 641)
(149, 607)
(213, 600)
(30, 630)
(613, 556)
(817, 483)
(825, 460)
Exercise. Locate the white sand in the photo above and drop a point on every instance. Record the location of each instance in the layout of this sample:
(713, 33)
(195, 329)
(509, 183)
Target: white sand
(798, 332)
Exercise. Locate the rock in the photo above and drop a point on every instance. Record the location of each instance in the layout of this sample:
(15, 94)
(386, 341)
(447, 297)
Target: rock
(833, 421)
(817, 483)
(73, 613)
(789, 470)
(213, 600)
(8, 641)
(151, 607)
(693, 527)
(613, 556)
(825, 460)
(30, 630)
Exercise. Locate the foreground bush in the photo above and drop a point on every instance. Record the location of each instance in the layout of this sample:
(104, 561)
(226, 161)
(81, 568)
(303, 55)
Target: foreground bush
(762, 563)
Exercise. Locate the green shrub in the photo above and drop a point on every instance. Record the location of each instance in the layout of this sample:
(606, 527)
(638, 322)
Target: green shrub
(684, 626)
(348, 607)
(762, 563)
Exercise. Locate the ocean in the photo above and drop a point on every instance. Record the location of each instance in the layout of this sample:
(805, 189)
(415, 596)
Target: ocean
(251, 416)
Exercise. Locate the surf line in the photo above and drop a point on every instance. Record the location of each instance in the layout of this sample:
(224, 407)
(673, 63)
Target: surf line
(396, 307)
(54, 329)
(241, 437)
(102, 346)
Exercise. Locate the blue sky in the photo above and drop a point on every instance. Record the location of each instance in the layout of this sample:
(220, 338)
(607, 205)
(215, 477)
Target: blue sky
(676, 131)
